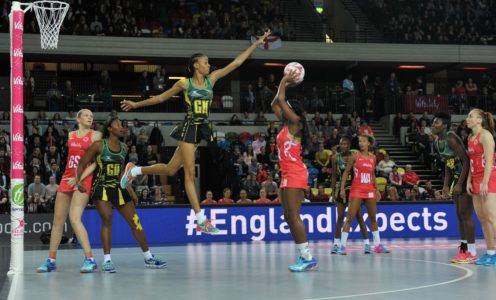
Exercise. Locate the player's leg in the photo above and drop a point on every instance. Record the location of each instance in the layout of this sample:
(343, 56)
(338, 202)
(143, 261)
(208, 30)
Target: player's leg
(353, 208)
(128, 212)
(291, 201)
(367, 249)
(78, 204)
(61, 210)
(372, 211)
(104, 209)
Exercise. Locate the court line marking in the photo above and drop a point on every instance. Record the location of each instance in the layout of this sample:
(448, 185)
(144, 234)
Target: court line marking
(468, 273)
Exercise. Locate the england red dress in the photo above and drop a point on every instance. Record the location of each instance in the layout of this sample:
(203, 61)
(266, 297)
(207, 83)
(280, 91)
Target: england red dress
(77, 148)
(477, 165)
(294, 173)
(362, 186)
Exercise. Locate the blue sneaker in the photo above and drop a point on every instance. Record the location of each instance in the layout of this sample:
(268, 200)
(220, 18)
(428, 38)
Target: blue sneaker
(127, 178)
(491, 261)
(47, 266)
(89, 266)
(108, 267)
(303, 265)
(367, 249)
(486, 258)
(481, 260)
(155, 262)
(342, 250)
(334, 249)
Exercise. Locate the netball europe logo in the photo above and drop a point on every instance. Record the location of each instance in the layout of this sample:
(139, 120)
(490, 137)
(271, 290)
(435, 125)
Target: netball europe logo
(18, 194)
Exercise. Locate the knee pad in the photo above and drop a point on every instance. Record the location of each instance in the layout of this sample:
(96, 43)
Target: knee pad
(137, 223)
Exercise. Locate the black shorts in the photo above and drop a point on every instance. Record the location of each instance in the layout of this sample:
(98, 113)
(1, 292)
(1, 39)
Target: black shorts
(116, 195)
(192, 133)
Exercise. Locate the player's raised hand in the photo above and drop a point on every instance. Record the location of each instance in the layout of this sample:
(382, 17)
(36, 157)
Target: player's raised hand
(127, 105)
(261, 40)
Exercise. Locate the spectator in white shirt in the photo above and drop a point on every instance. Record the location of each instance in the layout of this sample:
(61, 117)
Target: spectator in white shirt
(258, 144)
(385, 166)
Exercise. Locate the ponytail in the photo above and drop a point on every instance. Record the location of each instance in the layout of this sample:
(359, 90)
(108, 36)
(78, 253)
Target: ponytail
(487, 120)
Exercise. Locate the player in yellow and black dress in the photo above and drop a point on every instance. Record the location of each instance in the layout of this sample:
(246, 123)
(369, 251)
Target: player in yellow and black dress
(455, 157)
(110, 156)
(198, 95)
(339, 161)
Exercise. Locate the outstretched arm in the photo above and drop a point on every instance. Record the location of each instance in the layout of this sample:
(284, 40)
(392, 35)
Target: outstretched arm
(238, 61)
(280, 98)
(178, 87)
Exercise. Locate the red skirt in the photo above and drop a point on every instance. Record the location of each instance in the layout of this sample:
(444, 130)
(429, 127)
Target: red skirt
(294, 180)
(477, 182)
(66, 188)
(362, 192)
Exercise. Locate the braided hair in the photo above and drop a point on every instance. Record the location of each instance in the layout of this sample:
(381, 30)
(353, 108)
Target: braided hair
(190, 69)
(108, 123)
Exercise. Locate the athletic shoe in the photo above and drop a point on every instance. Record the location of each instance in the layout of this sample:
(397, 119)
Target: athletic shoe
(469, 258)
(303, 265)
(127, 178)
(381, 249)
(334, 249)
(207, 227)
(459, 257)
(490, 261)
(486, 258)
(89, 266)
(155, 262)
(47, 266)
(108, 267)
(342, 250)
(367, 249)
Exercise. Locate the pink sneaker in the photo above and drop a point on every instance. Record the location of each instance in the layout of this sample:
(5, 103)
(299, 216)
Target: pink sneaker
(461, 256)
(381, 249)
(469, 258)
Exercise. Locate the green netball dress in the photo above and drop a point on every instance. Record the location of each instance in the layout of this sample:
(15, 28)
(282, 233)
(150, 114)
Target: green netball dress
(196, 126)
(341, 166)
(450, 159)
(106, 181)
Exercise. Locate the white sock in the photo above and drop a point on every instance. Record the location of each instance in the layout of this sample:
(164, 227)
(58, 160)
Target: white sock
(464, 241)
(377, 238)
(491, 252)
(472, 249)
(304, 250)
(337, 241)
(200, 217)
(366, 242)
(136, 171)
(147, 254)
(344, 238)
(52, 259)
(106, 257)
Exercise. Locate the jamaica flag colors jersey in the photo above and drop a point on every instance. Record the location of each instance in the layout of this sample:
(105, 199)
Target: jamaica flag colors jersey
(106, 180)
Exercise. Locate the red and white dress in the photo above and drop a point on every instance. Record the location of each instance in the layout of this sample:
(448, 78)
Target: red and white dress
(294, 173)
(362, 186)
(77, 147)
(477, 166)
